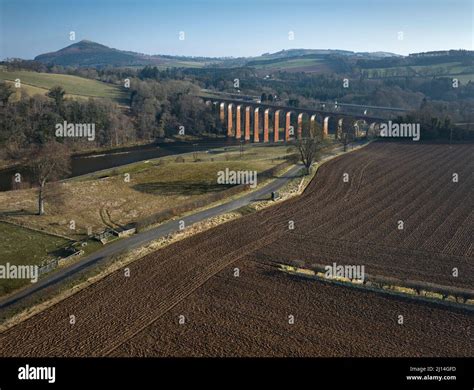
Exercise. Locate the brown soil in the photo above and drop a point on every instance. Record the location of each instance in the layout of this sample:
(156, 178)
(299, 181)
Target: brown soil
(353, 223)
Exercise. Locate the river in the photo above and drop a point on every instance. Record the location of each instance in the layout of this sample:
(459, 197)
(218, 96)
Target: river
(87, 163)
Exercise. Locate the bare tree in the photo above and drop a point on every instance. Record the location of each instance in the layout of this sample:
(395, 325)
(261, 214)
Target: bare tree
(348, 133)
(57, 94)
(5, 92)
(345, 140)
(309, 151)
(48, 162)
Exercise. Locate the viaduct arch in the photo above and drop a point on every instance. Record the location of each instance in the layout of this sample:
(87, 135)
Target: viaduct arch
(264, 122)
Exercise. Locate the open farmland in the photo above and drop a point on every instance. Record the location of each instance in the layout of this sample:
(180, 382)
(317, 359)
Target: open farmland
(75, 87)
(299, 64)
(248, 316)
(352, 222)
(449, 69)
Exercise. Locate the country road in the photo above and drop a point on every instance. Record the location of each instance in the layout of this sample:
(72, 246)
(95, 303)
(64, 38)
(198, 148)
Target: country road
(142, 238)
(145, 237)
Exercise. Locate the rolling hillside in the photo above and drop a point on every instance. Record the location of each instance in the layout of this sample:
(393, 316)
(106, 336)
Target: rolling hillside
(87, 53)
(76, 87)
(454, 63)
(91, 54)
(311, 63)
(369, 64)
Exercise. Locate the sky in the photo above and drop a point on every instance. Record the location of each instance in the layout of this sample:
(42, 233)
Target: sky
(228, 28)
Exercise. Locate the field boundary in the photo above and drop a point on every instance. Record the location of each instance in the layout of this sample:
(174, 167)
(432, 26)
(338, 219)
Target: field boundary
(37, 230)
(416, 290)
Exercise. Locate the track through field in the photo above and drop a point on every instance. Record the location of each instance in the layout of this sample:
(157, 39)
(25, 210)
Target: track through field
(346, 223)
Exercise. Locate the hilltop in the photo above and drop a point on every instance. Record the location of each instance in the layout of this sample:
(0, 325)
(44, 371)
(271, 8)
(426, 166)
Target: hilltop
(93, 54)
(88, 53)
(369, 64)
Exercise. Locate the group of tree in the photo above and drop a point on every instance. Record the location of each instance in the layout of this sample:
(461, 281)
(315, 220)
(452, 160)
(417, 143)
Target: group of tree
(32, 120)
(436, 122)
(170, 108)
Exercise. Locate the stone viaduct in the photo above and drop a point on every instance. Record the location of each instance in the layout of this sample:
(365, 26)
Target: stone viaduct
(263, 122)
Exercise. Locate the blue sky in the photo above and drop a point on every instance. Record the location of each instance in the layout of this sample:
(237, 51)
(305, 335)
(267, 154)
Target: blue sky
(236, 28)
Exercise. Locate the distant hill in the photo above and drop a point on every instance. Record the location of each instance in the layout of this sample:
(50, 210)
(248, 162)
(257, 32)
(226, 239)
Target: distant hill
(87, 53)
(91, 54)
(313, 60)
(291, 53)
(370, 64)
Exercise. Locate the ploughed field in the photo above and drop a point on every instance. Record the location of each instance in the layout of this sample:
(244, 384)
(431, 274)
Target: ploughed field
(347, 223)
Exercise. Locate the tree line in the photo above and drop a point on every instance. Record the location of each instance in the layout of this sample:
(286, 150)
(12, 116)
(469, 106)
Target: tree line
(157, 110)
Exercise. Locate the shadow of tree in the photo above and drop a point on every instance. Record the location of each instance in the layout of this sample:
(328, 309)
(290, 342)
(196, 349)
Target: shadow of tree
(13, 213)
(179, 188)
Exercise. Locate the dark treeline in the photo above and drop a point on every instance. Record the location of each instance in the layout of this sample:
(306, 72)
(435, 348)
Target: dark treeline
(164, 108)
(157, 110)
(429, 58)
(32, 121)
(436, 122)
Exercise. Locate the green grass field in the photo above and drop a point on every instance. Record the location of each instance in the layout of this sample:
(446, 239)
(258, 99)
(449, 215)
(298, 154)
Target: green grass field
(171, 178)
(29, 89)
(449, 69)
(22, 246)
(190, 178)
(183, 64)
(464, 78)
(40, 83)
(292, 64)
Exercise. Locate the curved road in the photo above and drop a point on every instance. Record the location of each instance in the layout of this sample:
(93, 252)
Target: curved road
(142, 238)
(145, 237)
